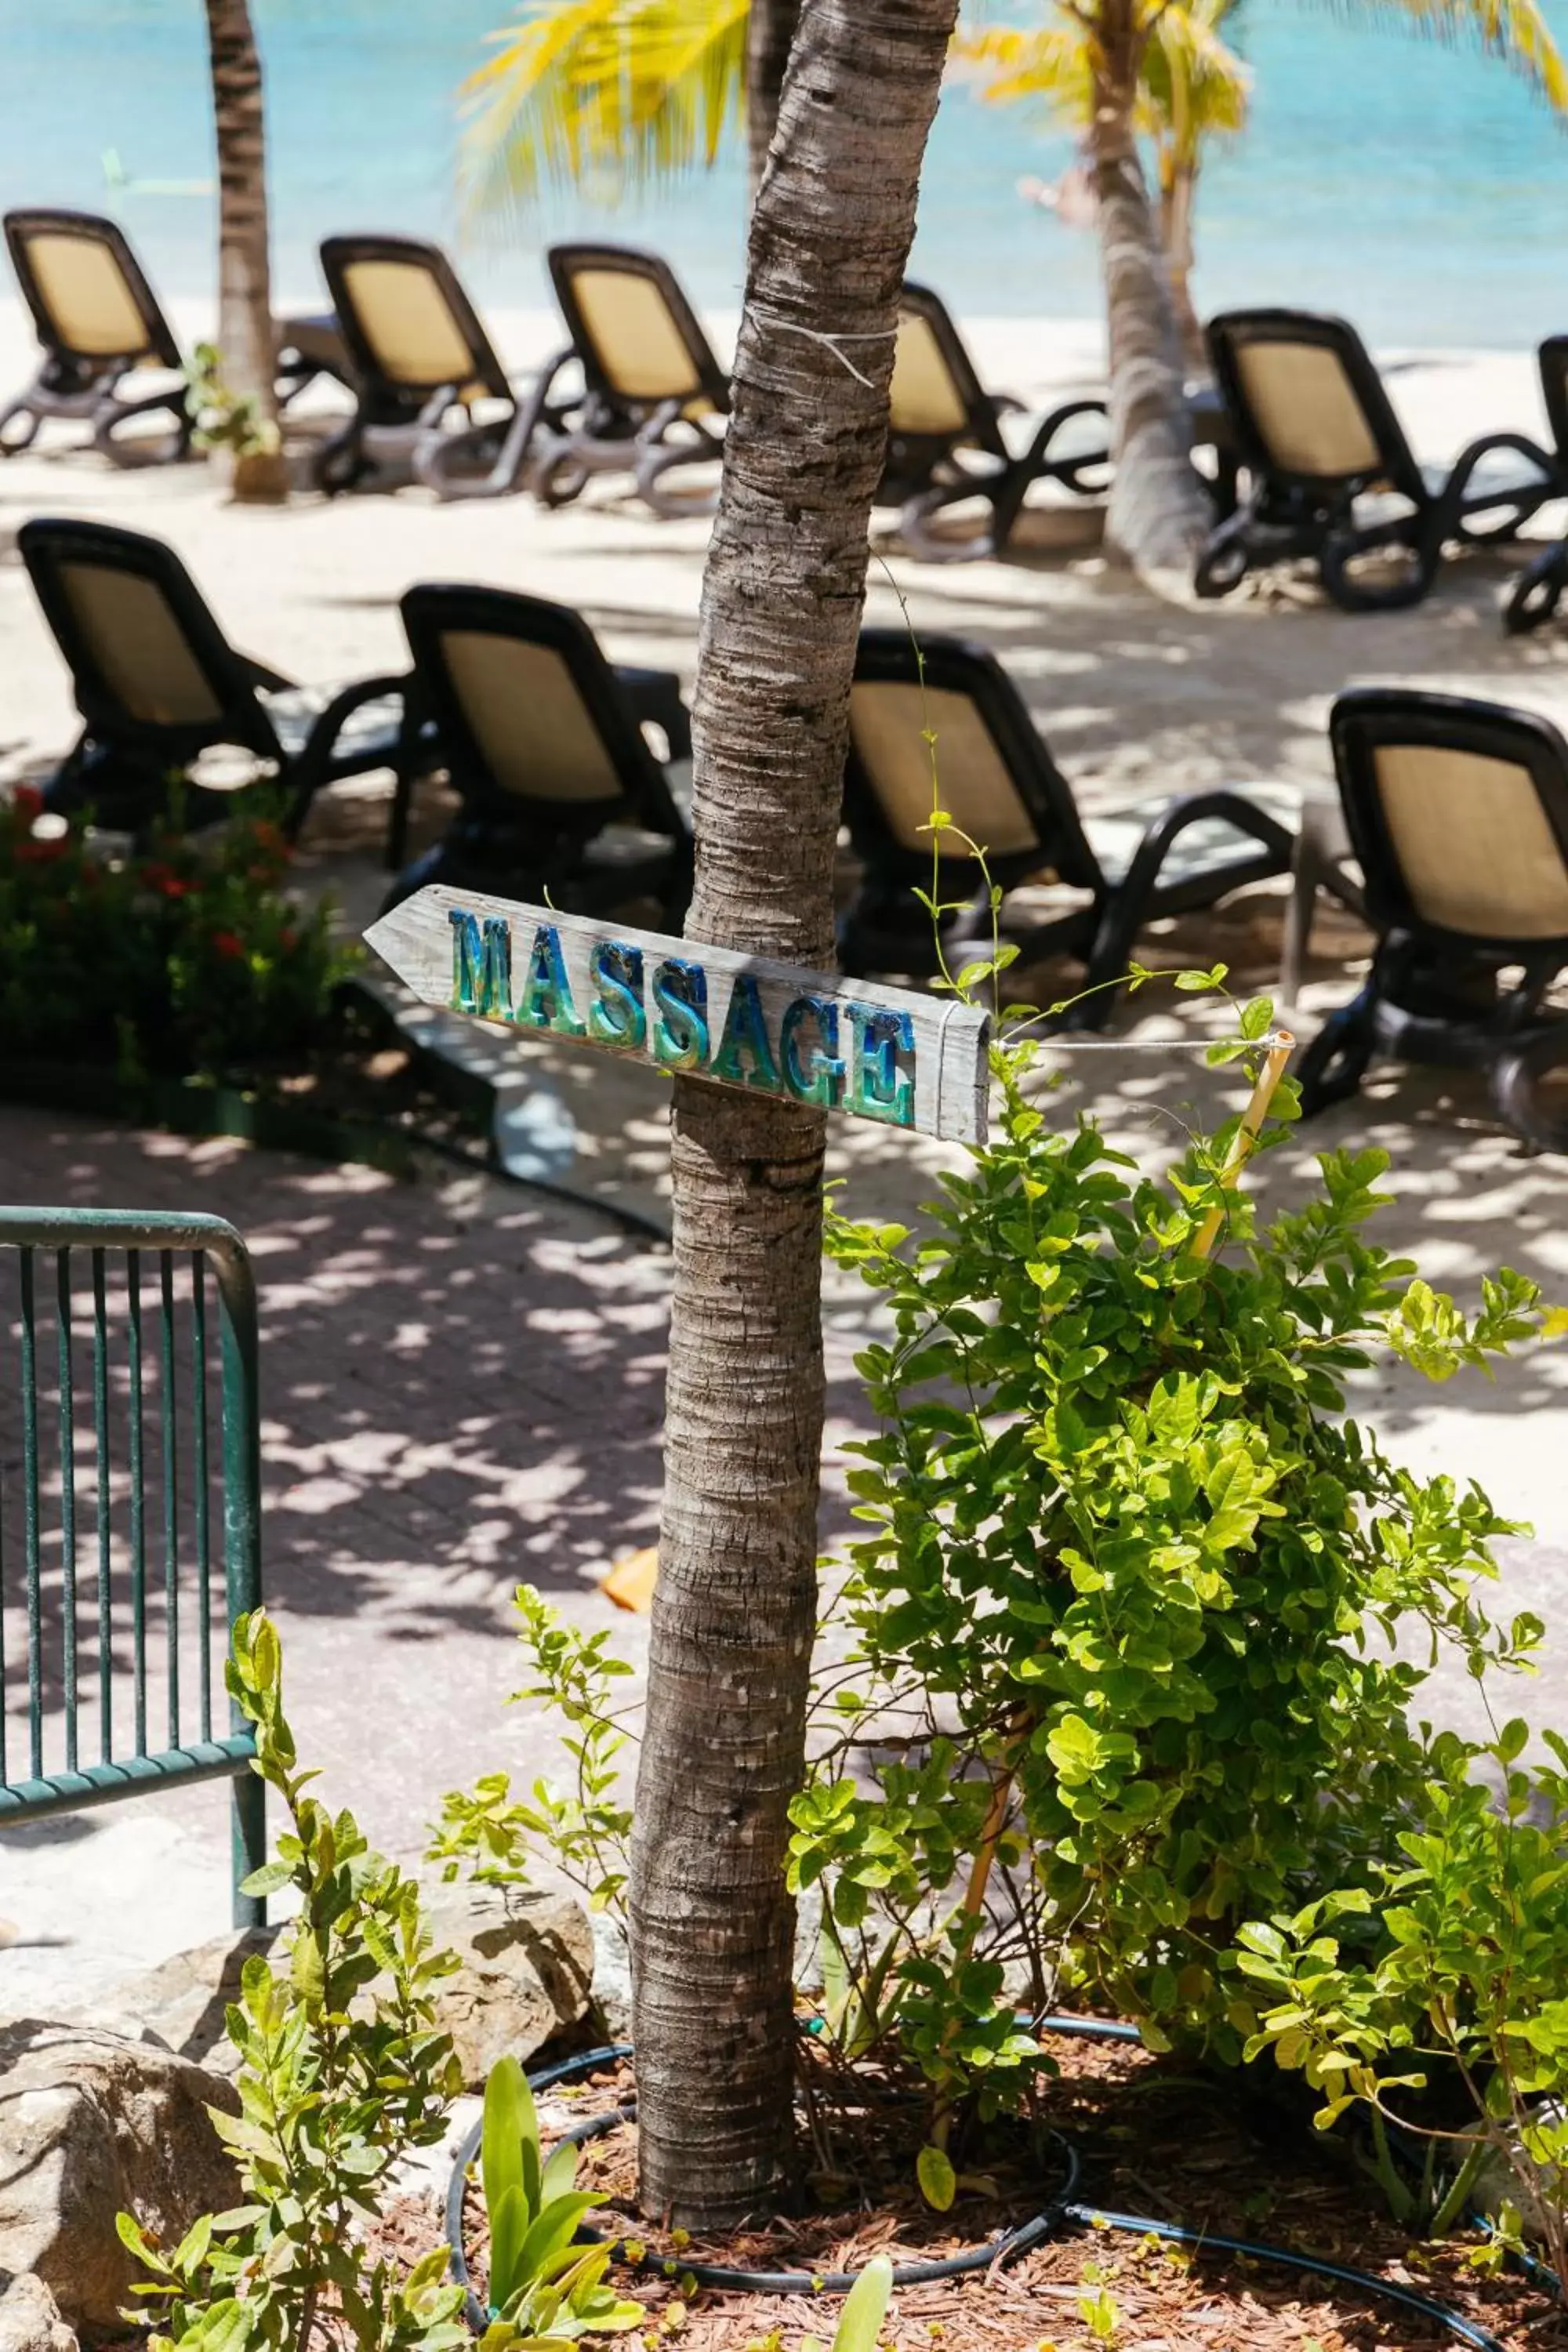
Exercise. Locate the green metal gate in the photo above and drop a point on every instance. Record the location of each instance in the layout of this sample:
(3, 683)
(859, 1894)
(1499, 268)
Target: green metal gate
(107, 1515)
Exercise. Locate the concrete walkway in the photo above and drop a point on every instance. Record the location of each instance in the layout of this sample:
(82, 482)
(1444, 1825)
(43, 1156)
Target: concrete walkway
(462, 1389)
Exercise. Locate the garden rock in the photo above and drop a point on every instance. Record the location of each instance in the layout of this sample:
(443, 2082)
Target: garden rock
(30, 2318)
(183, 2001)
(525, 1969)
(92, 2122)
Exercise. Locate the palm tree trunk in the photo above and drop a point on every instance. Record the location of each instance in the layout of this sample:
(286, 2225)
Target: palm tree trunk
(734, 1609)
(769, 29)
(1158, 513)
(244, 295)
(1178, 188)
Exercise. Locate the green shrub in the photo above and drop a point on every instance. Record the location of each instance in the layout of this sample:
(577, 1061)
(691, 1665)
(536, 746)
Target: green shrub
(189, 961)
(342, 2072)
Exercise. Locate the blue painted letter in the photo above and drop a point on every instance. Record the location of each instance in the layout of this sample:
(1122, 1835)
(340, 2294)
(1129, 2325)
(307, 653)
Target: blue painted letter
(823, 1077)
(879, 1089)
(746, 1035)
(680, 1032)
(546, 998)
(481, 967)
(616, 1016)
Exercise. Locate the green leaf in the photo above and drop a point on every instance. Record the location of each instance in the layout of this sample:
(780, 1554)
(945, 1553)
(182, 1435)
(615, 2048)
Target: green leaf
(866, 2305)
(509, 2221)
(509, 2139)
(938, 2180)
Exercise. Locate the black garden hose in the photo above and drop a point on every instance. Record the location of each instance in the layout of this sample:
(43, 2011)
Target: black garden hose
(1063, 2207)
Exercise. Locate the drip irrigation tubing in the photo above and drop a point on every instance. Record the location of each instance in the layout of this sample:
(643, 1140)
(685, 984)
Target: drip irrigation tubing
(1065, 2206)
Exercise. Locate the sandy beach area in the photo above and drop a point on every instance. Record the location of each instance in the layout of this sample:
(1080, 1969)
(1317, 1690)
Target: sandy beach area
(1138, 699)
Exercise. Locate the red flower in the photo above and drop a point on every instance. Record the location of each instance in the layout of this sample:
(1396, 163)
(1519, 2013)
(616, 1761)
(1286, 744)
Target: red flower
(224, 943)
(269, 837)
(41, 853)
(287, 940)
(166, 882)
(27, 802)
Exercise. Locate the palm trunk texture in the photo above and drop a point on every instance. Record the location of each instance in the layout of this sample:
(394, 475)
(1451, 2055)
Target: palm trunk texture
(712, 1924)
(1158, 514)
(244, 292)
(769, 29)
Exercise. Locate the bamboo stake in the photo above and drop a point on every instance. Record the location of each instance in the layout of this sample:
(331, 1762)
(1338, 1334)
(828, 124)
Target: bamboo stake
(1252, 1119)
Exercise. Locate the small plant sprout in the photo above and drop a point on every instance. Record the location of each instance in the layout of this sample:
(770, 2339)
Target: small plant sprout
(865, 2308)
(543, 2287)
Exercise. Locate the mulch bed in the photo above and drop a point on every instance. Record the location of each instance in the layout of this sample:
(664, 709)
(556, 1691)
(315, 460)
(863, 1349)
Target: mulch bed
(1155, 2139)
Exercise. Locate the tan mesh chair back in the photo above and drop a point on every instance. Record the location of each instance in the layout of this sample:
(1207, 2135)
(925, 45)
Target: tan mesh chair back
(408, 324)
(531, 714)
(151, 666)
(888, 726)
(1474, 843)
(138, 646)
(527, 715)
(936, 393)
(996, 777)
(86, 290)
(1306, 403)
(924, 399)
(638, 338)
(1458, 813)
(1306, 409)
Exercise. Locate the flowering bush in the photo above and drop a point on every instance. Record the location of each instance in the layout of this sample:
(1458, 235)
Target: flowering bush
(189, 961)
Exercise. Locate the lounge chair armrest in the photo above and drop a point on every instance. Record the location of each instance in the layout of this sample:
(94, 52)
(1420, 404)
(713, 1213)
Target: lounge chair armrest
(540, 381)
(272, 679)
(1004, 404)
(1205, 808)
(655, 695)
(436, 407)
(1470, 457)
(1052, 425)
(343, 706)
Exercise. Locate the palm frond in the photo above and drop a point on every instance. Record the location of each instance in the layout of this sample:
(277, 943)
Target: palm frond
(640, 90)
(1048, 70)
(1515, 31)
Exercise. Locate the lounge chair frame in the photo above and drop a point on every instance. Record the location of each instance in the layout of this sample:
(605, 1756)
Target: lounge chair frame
(125, 768)
(1289, 514)
(886, 928)
(606, 430)
(1434, 994)
(87, 386)
(1536, 593)
(924, 474)
(82, 386)
(402, 424)
(536, 846)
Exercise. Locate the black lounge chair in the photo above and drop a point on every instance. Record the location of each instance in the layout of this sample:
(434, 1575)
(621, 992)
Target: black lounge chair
(999, 784)
(1315, 431)
(422, 364)
(1536, 594)
(953, 444)
(652, 391)
(1457, 813)
(158, 685)
(97, 320)
(563, 798)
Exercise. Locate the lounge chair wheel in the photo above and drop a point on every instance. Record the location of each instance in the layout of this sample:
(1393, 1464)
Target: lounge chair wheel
(1221, 563)
(1536, 594)
(1342, 548)
(557, 481)
(13, 448)
(1516, 1081)
(1334, 1064)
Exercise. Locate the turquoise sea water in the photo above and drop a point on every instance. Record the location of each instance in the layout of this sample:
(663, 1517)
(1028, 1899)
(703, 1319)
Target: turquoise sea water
(1415, 186)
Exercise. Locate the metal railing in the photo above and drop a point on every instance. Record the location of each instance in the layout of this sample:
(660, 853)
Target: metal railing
(106, 1516)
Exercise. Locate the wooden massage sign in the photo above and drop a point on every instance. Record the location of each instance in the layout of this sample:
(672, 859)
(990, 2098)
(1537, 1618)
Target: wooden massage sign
(911, 1061)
